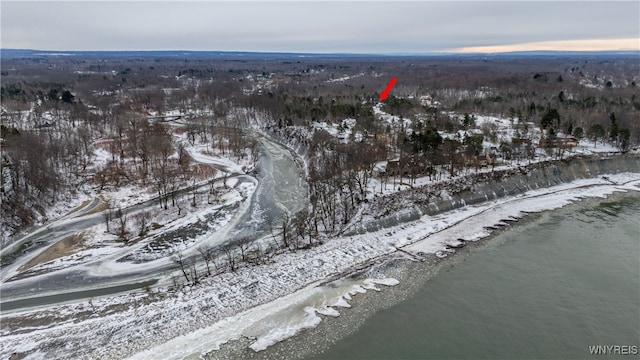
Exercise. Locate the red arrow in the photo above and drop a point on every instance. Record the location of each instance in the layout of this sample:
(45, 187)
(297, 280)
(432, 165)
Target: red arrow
(385, 93)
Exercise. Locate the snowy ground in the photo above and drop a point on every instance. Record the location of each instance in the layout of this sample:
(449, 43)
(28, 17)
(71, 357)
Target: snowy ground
(204, 210)
(505, 130)
(342, 131)
(267, 303)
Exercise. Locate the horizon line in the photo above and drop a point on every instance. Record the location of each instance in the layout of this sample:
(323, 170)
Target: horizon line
(479, 50)
(583, 45)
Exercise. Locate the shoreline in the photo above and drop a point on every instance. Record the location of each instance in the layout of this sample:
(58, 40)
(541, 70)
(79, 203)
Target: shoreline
(243, 343)
(277, 292)
(412, 276)
(432, 289)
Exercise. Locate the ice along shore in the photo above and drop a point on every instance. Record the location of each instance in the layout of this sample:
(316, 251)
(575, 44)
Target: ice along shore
(288, 295)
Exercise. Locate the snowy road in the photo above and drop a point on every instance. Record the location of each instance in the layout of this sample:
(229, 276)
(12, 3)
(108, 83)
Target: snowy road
(279, 187)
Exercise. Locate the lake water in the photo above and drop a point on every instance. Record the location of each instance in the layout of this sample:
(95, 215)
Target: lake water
(549, 287)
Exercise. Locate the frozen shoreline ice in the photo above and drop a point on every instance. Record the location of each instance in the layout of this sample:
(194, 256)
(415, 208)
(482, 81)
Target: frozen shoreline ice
(287, 292)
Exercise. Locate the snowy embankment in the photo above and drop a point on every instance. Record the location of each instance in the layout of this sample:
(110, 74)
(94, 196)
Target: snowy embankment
(271, 302)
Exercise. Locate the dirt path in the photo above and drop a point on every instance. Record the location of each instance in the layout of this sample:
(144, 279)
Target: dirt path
(103, 205)
(84, 203)
(64, 247)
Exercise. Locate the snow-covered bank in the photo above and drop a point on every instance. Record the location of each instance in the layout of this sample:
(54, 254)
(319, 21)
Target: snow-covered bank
(434, 198)
(281, 298)
(473, 223)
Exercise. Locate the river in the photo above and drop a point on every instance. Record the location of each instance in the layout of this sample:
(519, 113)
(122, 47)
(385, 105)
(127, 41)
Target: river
(280, 188)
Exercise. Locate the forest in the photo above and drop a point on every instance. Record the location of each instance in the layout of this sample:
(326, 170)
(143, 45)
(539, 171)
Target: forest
(86, 124)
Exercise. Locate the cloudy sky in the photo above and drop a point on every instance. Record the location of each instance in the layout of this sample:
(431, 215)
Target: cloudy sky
(321, 27)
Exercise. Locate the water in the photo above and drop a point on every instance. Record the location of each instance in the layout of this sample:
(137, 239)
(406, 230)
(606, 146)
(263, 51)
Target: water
(282, 168)
(548, 288)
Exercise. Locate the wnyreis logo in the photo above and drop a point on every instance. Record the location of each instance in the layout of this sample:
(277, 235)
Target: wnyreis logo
(613, 349)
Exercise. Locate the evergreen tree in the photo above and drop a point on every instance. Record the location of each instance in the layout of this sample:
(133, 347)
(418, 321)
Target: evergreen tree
(550, 117)
(613, 135)
(67, 97)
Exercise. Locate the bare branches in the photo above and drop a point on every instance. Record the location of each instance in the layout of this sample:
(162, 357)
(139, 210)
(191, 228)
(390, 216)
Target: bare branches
(208, 255)
(243, 244)
(231, 257)
(142, 221)
(121, 222)
(181, 262)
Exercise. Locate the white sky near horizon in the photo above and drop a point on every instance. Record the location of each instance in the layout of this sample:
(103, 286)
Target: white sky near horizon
(321, 27)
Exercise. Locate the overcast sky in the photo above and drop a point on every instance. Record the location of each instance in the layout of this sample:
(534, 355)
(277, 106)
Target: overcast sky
(321, 27)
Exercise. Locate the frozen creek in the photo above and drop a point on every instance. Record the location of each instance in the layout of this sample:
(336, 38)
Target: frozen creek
(253, 202)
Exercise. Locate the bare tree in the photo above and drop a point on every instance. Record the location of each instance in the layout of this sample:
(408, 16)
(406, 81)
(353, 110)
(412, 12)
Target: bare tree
(285, 221)
(108, 214)
(258, 255)
(183, 159)
(244, 243)
(180, 261)
(161, 148)
(208, 255)
(231, 257)
(122, 230)
(142, 220)
(194, 274)
(300, 224)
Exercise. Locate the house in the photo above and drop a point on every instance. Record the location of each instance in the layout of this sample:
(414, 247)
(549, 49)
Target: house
(567, 142)
(393, 167)
(564, 142)
(482, 160)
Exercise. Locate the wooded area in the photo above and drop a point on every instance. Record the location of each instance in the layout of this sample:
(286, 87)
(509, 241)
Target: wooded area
(57, 111)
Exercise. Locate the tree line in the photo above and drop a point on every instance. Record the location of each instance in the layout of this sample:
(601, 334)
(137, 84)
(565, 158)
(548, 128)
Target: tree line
(53, 128)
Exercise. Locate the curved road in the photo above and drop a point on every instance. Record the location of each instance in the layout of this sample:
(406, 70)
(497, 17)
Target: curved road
(280, 187)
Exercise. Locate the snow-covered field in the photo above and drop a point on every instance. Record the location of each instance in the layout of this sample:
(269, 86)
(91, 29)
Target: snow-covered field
(270, 302)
